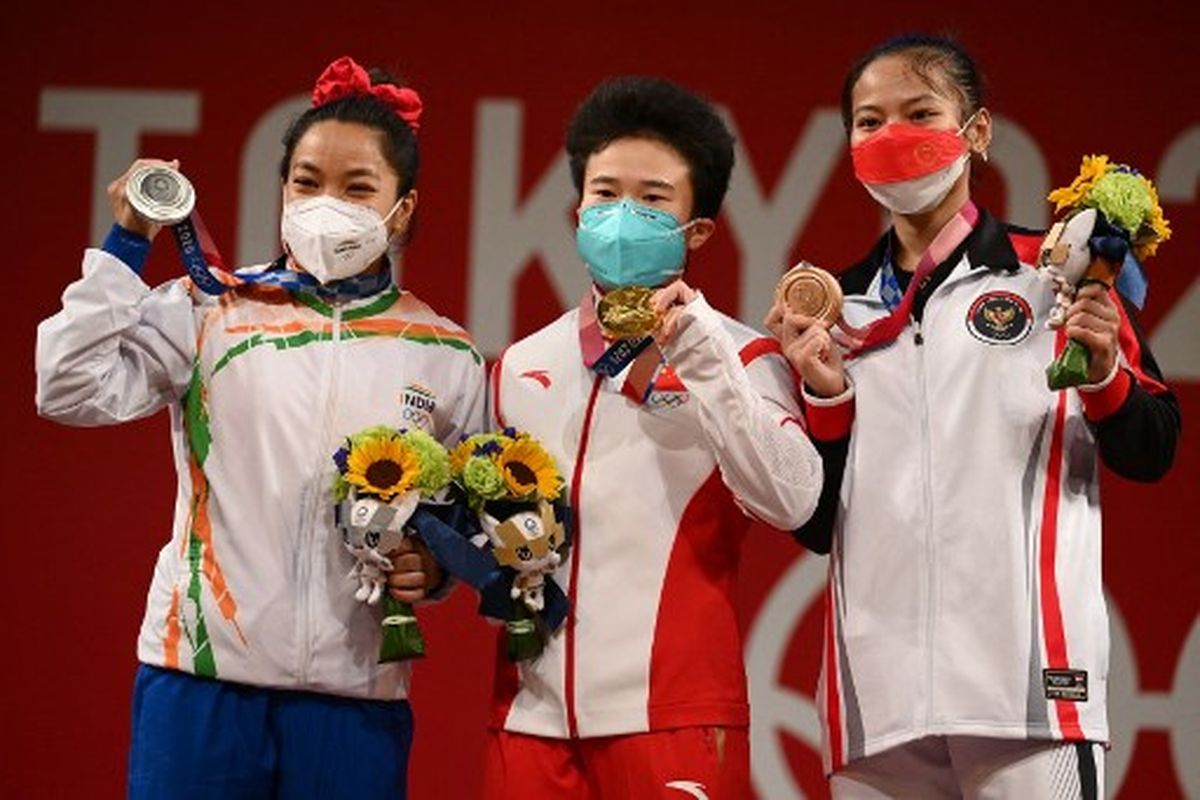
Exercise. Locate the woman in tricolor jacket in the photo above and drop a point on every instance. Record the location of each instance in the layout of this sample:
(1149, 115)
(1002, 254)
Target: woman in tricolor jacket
(259, 673)
(966, 648)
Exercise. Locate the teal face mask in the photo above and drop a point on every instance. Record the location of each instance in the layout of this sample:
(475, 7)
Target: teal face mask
(628, 244)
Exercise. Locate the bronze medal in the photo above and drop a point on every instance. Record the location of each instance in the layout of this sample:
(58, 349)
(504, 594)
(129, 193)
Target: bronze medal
(811, 291)
(626, 313)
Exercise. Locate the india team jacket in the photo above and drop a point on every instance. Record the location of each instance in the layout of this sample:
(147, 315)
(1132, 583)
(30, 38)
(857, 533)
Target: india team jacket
(658, 492)
(262, 386)
(962, 511)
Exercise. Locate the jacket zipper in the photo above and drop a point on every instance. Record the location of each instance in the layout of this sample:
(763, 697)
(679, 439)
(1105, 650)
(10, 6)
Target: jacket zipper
(305, 554)
(927, 510)
(576, 529)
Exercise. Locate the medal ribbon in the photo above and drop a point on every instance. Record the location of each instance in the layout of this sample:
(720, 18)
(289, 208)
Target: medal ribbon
(884, 331)
(609, 358)
(203, 263)
(599, 354)
(198, 251)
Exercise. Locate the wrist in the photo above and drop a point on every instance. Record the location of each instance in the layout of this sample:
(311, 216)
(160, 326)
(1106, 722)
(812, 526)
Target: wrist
(1105, 397)
(128, 246)
(826, 389)
(829, 418)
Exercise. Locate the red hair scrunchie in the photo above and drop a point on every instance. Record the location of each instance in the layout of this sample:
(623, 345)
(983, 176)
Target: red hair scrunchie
(345, 77)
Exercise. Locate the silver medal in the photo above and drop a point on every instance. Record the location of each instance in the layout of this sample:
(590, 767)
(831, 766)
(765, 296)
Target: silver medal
(160, 194)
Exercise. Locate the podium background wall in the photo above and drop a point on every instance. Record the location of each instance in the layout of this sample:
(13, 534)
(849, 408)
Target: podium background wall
(87, 88)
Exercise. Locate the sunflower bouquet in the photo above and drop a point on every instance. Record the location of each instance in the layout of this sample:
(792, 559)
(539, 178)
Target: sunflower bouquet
(382, 476)
(1111, 212)
(512, 483)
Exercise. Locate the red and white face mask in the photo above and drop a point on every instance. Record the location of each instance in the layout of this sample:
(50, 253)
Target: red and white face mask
(910, 168)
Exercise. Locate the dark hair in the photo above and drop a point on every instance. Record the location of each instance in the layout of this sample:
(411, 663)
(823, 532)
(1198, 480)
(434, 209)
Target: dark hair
(399, 143)
(925, 54)
(638, 106)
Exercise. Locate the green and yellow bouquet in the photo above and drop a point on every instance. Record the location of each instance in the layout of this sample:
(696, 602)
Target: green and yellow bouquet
(1109, 211)
(382, 476)
(512, 483)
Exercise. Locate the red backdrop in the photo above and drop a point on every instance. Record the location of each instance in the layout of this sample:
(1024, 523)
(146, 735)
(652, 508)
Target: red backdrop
(87, 87)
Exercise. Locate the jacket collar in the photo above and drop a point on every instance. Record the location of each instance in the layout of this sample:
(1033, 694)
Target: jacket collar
(987, 247)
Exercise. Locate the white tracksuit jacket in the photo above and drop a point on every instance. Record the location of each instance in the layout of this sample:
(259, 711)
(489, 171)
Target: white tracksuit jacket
(261, 388)
(965, 576)
(655, 488)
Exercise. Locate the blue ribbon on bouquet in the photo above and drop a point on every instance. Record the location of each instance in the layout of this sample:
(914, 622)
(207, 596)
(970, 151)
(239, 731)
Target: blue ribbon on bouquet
(447, 532)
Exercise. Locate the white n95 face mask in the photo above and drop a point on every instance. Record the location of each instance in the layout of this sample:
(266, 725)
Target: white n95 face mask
(332, 239)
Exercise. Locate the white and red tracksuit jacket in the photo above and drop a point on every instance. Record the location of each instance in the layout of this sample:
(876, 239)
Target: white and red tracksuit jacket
(262, 386)
(656, 491)
(962, 511)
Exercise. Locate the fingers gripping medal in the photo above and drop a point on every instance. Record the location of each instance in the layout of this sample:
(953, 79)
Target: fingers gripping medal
(163, 196)
(812, 292)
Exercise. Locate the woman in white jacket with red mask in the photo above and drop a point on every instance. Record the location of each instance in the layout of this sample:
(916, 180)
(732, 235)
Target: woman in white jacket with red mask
(966, 646)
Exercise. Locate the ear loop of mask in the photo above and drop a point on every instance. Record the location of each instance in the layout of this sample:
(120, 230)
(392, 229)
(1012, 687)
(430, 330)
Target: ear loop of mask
(395, 257)
(394, 208)
(963, 130)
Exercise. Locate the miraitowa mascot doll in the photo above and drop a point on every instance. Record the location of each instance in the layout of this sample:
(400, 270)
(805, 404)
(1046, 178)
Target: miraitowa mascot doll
(513, 485)
(383, 476)
(1112, 213)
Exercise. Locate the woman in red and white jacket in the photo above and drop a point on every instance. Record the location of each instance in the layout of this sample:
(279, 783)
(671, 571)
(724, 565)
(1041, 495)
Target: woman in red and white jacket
(666, 450)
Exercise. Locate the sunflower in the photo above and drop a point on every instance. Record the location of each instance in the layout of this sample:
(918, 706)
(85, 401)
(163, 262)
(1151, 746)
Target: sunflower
(459, 455)
(1155, 228)
(382, 465)
(1092, 169)
(528, 469)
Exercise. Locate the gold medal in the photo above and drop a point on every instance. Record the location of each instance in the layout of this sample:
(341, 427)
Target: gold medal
(811, 291)
(626, 313)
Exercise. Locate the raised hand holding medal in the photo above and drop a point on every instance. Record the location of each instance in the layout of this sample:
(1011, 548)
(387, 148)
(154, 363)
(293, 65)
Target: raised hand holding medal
(130, 205)
(153, 194)
(811, 292)
(808, 303)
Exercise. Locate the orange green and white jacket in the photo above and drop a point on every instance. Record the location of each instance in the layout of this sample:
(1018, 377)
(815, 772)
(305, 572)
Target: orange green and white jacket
(262, 385)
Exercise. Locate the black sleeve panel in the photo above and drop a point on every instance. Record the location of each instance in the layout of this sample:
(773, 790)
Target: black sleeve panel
(817, 533)
(1137, 441)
